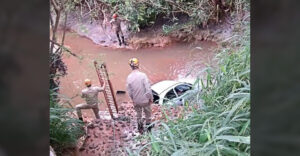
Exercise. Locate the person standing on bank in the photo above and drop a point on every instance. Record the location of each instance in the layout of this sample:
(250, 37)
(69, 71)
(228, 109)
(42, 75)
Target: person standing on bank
(138, 88)
(90, 94)
(116, 27)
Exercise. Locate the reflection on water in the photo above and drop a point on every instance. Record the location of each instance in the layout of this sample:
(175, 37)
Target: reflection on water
(172, 62)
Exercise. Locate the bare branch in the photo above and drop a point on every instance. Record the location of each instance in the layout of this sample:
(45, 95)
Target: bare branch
(88, 5)
(54, 29)
(80, 9)
(64, 48)
(64, 30)
(51, 20)
(55, 5)
(177, 6)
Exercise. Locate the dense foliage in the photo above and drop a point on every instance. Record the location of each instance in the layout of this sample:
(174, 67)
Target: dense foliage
(64, 130)
(144, 13)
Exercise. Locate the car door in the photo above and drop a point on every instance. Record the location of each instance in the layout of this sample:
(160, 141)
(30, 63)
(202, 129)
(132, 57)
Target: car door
(169, 96)
(180, 90)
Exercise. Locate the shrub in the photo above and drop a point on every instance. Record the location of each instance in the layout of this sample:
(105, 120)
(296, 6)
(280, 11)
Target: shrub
(143, 13)
(64, 130)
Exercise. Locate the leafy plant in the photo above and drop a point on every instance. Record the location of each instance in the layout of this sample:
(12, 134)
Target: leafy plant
(143, 13)
(64, 130)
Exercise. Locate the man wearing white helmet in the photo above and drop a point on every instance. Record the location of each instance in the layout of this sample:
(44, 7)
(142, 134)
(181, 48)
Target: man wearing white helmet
(138, 88)
(90, 94)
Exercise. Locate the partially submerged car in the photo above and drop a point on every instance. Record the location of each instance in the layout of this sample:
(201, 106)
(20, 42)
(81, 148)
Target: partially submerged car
(170, 92)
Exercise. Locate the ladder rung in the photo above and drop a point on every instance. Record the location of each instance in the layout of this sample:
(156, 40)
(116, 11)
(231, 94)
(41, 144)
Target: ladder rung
(102, 73)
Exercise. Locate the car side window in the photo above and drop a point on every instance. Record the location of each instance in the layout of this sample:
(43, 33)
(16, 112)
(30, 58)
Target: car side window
(182, 89)
(170, 95)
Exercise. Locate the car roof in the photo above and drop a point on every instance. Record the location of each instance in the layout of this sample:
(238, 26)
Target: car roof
(161, 86)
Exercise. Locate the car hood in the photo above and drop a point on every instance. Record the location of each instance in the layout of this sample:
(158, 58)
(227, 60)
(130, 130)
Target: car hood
(163, 85)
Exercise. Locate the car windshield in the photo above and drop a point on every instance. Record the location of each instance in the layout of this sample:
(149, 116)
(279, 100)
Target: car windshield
(182, 89)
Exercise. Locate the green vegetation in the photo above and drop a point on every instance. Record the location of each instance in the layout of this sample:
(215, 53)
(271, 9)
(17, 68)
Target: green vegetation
(222, 125)
(64, 130)
(144, 13)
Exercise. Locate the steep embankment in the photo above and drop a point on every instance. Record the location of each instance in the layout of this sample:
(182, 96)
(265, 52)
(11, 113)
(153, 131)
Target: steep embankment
(100, 32)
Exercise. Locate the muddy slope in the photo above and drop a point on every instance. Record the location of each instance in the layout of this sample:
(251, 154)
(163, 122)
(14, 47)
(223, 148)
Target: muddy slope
(101, 34)
(112, 137)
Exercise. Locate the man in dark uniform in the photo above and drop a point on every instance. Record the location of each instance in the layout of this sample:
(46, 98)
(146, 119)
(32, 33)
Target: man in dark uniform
(116, 27)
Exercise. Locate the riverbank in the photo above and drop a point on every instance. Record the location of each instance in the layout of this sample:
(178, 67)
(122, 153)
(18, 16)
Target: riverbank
(154, 36)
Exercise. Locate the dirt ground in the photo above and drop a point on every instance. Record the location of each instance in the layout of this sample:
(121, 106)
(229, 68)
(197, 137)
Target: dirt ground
(112, 137)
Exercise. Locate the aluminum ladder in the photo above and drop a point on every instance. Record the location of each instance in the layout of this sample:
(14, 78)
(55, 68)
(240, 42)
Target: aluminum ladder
(108, 91)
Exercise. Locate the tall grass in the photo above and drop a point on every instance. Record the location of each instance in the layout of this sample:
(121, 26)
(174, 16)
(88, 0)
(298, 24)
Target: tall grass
(222, 125)
(64, 130)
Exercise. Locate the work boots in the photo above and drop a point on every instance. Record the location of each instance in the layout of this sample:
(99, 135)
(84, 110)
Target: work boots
(120, 43)
(123, 40)
(140, 128)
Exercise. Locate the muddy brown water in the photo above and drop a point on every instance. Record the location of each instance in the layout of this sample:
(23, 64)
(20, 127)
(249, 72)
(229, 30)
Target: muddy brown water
(169, 63)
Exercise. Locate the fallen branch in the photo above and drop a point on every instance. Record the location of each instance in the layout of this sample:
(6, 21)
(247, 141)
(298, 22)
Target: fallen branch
(64, 48)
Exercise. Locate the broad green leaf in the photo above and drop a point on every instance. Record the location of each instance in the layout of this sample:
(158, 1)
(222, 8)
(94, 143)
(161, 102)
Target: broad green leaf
(231, 138)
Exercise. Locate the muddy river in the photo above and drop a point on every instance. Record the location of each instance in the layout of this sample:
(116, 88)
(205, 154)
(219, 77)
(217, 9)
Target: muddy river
(169, 63)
